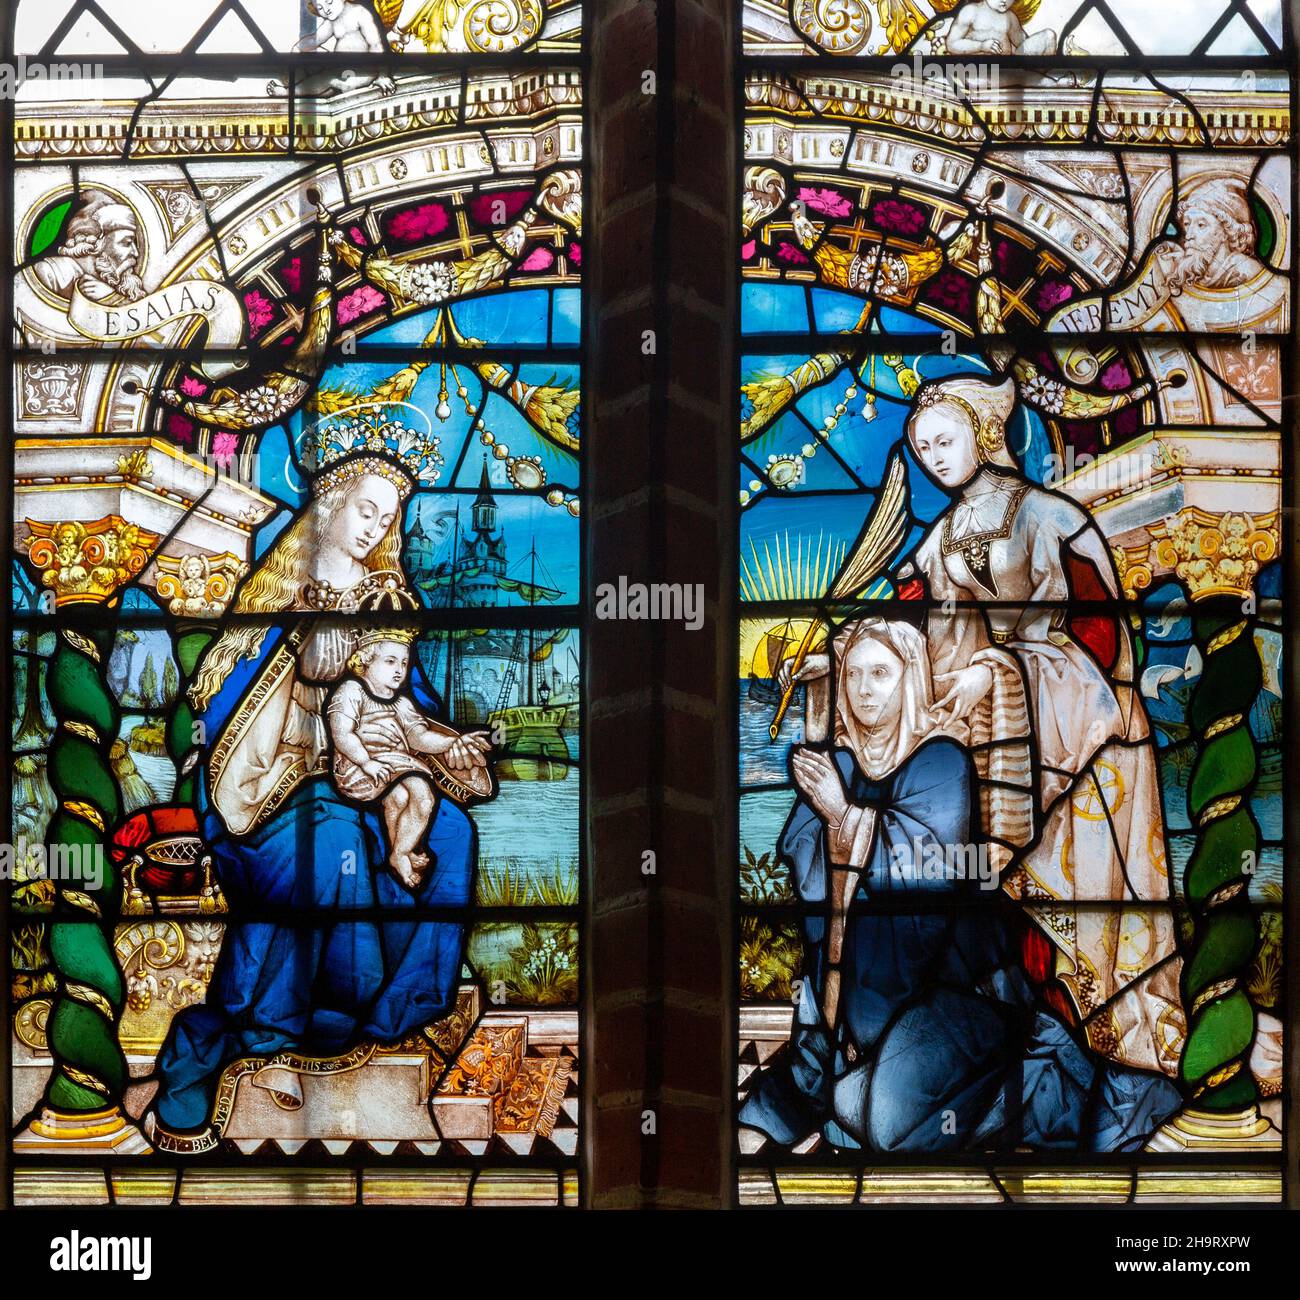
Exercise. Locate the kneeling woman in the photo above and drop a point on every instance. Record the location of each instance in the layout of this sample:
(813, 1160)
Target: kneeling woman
(915, 1028)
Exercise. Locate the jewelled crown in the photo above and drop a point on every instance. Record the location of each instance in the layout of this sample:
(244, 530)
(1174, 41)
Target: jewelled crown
(374, 636)
(391, 439)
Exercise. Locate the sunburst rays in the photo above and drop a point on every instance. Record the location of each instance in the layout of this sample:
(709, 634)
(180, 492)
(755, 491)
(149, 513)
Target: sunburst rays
(791, 568)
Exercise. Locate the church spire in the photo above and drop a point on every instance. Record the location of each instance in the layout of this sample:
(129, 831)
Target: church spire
(485, 504)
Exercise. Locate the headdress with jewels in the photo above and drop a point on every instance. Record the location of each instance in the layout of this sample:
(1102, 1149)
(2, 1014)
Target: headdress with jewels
(391, 439)
(987, 406)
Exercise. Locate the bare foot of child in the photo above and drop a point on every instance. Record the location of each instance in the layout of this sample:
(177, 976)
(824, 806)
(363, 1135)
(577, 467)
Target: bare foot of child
(403, 864)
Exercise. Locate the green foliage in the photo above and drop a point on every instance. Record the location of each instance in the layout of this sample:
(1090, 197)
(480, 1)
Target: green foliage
(764, 879)
(545, 966)
(507, 882)
(770, 960)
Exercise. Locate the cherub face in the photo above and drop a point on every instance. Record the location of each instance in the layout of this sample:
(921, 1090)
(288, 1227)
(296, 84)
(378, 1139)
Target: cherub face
(1000, 6)
(329, 9)
(872, 675)
(386, 672)
(945, 445)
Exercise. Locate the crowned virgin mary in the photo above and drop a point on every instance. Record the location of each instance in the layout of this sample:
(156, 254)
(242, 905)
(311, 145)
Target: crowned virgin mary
(325, 949)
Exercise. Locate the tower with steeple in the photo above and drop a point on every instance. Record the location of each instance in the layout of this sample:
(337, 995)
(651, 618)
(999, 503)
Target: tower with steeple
(482, 560)
(485, 504)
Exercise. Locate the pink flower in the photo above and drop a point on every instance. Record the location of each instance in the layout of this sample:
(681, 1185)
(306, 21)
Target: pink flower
(357, 235)
(291, 274)
(748, 249)
(180, 428)
(1116, 377)
(898, 218)
(789, 253)
(540, 259)
(224, 446)
(360, 302)
(575, 253)
(416, 224)
(192, 387)
(951, 290)
(260, 312)
(827, 201)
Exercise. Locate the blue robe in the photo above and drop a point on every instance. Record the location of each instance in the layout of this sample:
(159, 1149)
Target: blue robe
(939, 1044)
(295, 971)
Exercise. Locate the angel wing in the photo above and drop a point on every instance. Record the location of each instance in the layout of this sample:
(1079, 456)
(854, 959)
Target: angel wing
(389, 11)
(882, 535)
(1026, 9)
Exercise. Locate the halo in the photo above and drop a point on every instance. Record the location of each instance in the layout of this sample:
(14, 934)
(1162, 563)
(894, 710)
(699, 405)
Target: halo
(370, 404)
(379, 429)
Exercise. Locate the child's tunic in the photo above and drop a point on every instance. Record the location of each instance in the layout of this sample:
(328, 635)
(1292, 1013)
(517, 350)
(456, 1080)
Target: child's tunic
(352, 708)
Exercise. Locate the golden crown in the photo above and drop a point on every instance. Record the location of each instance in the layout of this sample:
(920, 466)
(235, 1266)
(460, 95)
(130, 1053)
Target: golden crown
(383, 438)
(376, 635)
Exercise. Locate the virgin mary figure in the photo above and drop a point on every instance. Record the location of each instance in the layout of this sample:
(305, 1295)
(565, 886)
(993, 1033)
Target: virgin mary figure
(325, 948)
(1002, 566)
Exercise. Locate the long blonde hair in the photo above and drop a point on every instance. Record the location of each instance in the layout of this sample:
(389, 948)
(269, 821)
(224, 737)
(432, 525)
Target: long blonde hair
(276, 585)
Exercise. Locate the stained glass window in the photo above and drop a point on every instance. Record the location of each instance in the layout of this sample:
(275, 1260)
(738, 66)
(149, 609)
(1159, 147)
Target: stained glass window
(1016, 317)
(296, 601)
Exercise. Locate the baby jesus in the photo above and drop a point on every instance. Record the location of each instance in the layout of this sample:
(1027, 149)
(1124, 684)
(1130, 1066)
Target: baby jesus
(415, 752)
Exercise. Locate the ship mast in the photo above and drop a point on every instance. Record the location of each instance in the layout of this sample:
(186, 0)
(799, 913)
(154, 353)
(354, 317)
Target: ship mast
(532, 600)
(451, 639)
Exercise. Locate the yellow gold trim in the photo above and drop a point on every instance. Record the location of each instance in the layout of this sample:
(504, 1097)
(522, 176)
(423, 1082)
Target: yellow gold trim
(92, 997)
(1226, 638)
(77, 899)
(85, 1080)
(1220, 808)
(1214, 991)
(82, 643)
(86, 811)
(1222, 725)
(1219, 1077)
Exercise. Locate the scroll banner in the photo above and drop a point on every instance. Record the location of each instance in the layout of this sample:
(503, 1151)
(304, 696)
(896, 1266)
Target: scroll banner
(1128, 308)
(187, 300)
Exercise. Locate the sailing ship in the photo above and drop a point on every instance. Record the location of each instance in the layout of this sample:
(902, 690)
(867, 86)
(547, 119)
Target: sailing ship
(491, 678)
(775, 646)
(1269, 735)
(526, 725)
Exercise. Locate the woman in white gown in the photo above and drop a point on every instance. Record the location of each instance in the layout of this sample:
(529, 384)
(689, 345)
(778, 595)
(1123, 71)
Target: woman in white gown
(1003, 563)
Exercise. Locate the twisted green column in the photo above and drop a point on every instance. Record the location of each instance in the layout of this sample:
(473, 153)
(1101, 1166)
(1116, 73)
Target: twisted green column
(89, 1071)
(1221, 1019)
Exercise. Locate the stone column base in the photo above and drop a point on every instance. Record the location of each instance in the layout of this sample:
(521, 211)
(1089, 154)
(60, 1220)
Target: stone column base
(1242, 1130)
(81, 1133)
